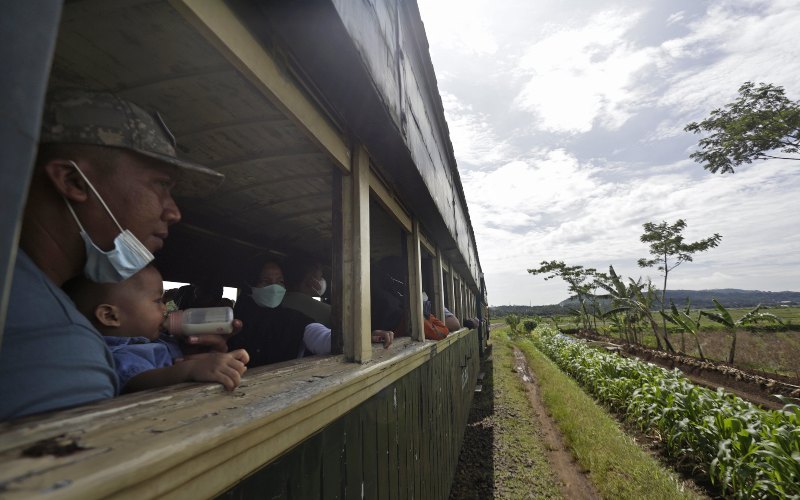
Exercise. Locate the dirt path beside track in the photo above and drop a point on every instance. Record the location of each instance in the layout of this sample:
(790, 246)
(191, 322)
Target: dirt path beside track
(574, 483)
(512, 448)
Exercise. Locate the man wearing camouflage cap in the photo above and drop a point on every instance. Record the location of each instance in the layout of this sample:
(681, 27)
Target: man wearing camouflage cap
(100, 201)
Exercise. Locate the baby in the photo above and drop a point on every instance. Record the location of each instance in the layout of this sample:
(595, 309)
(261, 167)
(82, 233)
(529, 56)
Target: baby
(130, 315)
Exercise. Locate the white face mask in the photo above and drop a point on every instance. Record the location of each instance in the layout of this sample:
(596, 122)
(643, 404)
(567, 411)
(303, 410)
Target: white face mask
(323, 285)
(268, 296)
(128, 257)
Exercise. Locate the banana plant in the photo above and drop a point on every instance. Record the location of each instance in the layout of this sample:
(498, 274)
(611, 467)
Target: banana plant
(622, 312)
(724, 318)
(683, 320)
(636, 300)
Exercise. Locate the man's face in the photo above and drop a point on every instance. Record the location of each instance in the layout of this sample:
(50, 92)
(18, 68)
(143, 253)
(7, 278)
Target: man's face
(270, 274)
(141, 305)
(137, 192)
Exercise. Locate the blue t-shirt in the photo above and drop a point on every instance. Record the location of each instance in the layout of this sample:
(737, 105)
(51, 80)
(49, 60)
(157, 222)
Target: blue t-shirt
(134, 355)
(51, 357)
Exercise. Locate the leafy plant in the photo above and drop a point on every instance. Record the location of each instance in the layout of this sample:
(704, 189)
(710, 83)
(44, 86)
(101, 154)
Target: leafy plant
(512, 320)
(761, 120)
(576, 277)
(529, 325)
(724, 318)
(689, 325)
(670, 251)
(633, 301)
(746, 451)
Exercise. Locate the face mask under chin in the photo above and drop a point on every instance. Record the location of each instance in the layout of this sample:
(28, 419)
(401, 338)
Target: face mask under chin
(128, 256)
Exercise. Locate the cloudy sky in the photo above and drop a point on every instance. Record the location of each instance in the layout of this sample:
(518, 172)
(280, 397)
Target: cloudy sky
(567, 120)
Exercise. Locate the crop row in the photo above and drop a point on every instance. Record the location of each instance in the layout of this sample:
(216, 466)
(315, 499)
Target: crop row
(746, 451)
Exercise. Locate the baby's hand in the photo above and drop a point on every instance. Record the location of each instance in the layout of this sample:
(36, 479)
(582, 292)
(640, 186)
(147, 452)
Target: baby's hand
(223, 367)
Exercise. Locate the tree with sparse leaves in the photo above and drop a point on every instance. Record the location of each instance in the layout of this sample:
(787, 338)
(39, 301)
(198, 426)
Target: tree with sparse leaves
(669, 251)
(576, 277)
(762, 123)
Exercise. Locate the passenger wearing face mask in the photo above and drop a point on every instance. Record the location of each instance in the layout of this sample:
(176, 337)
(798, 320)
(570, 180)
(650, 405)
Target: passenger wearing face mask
(304, 282)
(273, 333)
(99, 204)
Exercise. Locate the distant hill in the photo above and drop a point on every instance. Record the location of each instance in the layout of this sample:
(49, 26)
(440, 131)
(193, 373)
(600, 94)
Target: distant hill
(551, 310)
(733, 297)
(728, 297)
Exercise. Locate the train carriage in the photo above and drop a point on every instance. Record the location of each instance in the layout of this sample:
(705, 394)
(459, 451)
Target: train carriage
(325, 118)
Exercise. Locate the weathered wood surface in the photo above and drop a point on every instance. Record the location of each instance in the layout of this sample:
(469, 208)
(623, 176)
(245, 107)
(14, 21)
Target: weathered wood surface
(231, 106)
(403, 442)
(195, 440)
(375, 71)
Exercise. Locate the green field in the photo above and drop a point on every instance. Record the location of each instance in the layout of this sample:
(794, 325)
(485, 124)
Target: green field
(789, 315)
(762, 348)
(615, 464)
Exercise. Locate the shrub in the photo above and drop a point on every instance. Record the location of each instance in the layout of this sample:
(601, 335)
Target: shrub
(512, 320)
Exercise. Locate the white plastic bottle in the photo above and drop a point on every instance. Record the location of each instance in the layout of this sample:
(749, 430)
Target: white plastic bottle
(201, 321)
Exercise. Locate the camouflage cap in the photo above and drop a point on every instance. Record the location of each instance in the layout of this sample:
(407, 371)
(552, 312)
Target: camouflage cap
(73, 116)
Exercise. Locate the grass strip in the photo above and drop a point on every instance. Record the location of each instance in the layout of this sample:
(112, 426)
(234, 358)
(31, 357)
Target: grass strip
(617, 466)
(521, 469)
(746, 452)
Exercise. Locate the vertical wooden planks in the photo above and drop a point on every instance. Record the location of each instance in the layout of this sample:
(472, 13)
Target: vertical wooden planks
(415, 282)
(382, 409)
(370, 453)
(401, 443)
(353, 458)
(394, 446)
(332, 470)
(355, 260)
(341, 282)
(438, 284)
(451, 292)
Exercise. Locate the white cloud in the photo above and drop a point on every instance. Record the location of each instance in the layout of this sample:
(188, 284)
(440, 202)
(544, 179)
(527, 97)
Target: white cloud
(576, 76)
(676, 17)
(460, 27)
(531, 195)
(471, 134)
(756, 45)
(524, 213)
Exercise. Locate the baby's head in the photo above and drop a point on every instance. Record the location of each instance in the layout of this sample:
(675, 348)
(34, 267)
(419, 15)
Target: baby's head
(131, 308)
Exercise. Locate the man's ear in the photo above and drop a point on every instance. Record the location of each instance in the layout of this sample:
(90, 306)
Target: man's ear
(67, 181)
(107, 315)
